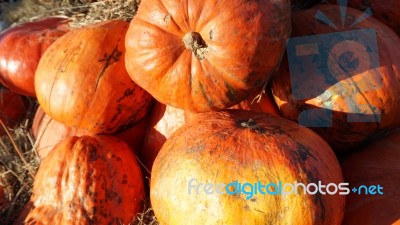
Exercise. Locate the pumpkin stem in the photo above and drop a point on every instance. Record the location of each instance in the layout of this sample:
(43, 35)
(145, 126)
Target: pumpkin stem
(195, 43)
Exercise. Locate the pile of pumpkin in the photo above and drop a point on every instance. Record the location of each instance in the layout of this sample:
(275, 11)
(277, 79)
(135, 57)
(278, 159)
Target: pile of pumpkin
(223, 111)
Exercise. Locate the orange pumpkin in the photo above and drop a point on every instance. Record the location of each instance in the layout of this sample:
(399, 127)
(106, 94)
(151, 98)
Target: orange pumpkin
(164, 121)
(243, 146)
(87, 180)
(21, 48)
(201, 55)
(48, 133)
(12, 109)
(373, 93)
(376, 164)
(81, 80)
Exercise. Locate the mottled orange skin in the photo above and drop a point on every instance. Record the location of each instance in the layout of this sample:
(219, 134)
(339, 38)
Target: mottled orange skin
(221, 147)
(12, 109)
(386, 11)
(48, 133)
(87, 180)
(81, 80)
(244, 41)
(164, 121)
(379, 87)
(377, 163)
(21, 48)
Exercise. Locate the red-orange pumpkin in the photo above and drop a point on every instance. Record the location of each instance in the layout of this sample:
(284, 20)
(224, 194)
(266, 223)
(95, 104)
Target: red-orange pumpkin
(377, 88)
(21, 48)
(48, 133)
(164, 121)
(205, 55)
(82, 82)
(376, 164)
(12, 108)
(243, 146)
(87, 180)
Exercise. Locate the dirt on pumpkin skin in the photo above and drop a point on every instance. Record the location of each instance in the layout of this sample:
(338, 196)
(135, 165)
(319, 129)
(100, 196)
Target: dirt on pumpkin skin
(16, 172)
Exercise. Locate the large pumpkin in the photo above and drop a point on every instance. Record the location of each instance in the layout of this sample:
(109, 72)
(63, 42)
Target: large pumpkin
(221, 147)
(387, 11)
(376, 164)
(87, 180)
(21, 48)
(12, 109)
(205, 55)
(82, 82)
(48, 133)
(164, 121)
(349, 107)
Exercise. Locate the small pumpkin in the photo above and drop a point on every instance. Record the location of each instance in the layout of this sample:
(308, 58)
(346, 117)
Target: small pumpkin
(243, 146)
(87, 180)
(376, 164)
(21, 48)
(48, 133)
(357, 105)
(164, 121)
(12, 108)
(201, 55)
(81, 80)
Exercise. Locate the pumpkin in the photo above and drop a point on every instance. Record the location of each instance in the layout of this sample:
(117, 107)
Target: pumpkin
(48, 133)
(376, 164)
(12, 109)
(388, 13)
(21, 48)
(201, 55)
(87, 180)
(243, 146)
(81, 80)
(164, 121)
(355, 106)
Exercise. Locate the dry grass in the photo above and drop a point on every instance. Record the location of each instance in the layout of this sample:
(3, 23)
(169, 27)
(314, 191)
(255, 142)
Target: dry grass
(18, 164)
(81, 12)
(18, 159)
